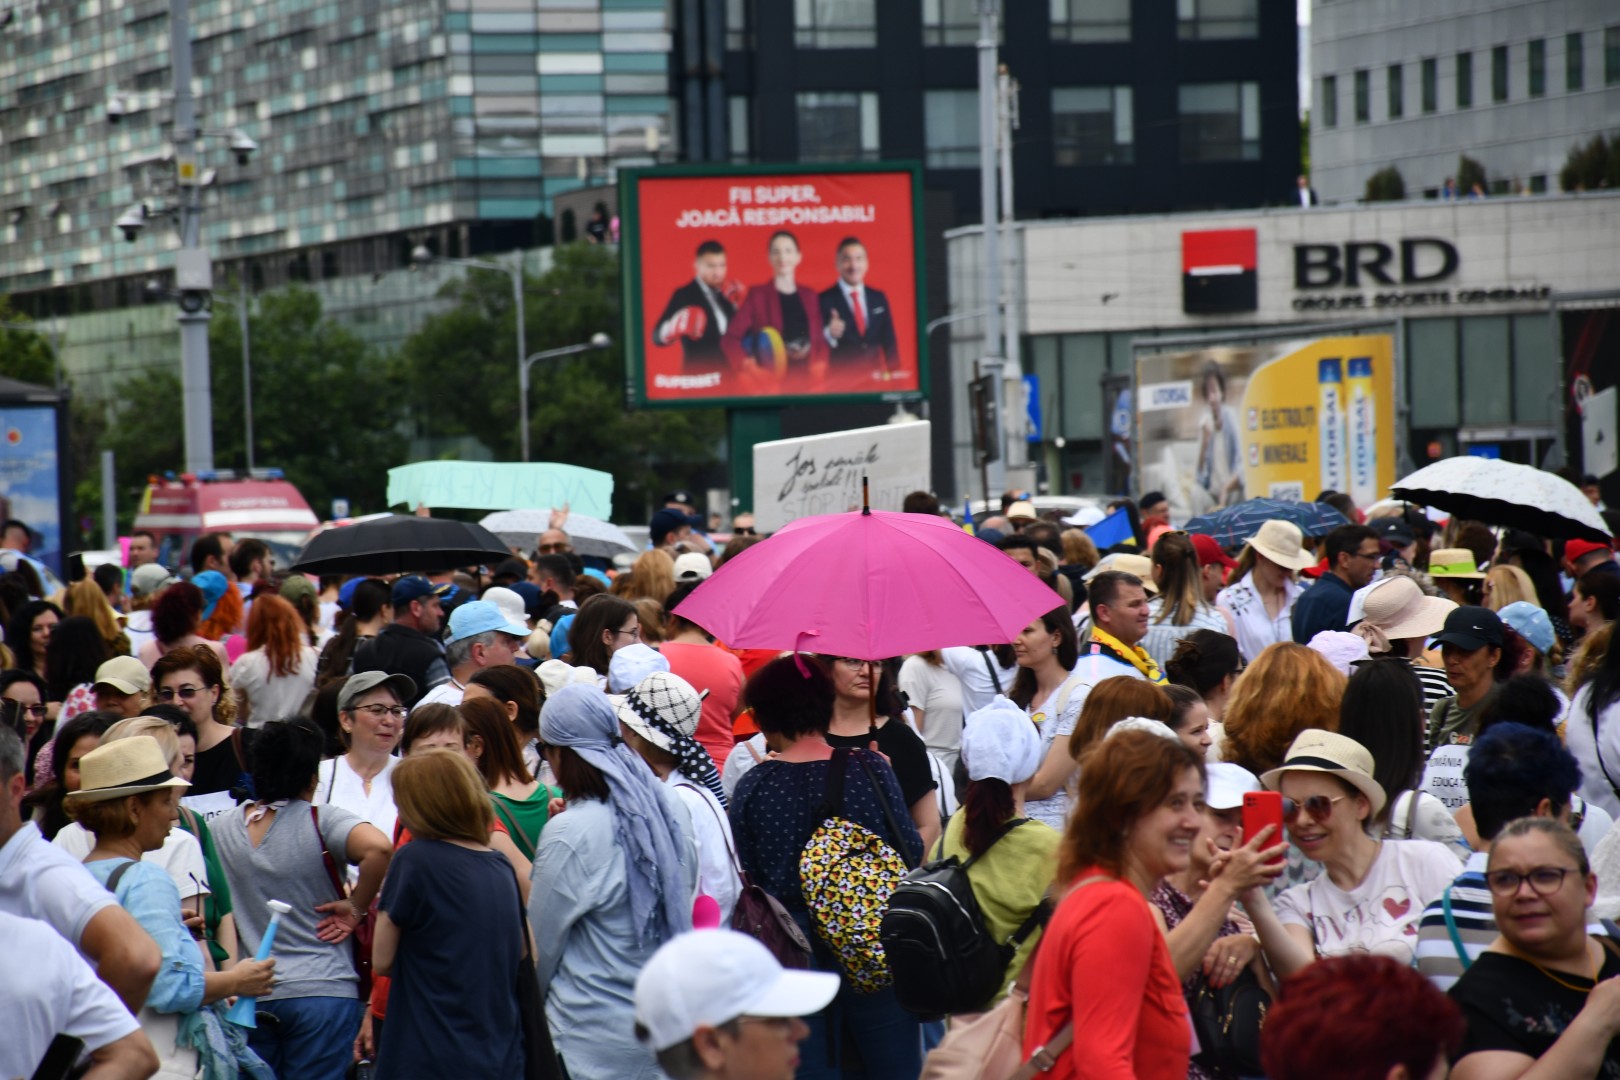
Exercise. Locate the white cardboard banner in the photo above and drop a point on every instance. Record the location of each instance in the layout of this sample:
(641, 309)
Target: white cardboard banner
(821, 474)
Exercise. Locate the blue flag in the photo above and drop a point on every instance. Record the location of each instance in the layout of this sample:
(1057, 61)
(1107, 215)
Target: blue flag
(1111, 530)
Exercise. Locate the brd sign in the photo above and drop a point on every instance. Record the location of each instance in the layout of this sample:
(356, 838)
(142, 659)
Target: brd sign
(1358, 263)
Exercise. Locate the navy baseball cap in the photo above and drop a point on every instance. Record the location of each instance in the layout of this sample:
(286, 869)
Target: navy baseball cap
(665, 522)
(416, 587)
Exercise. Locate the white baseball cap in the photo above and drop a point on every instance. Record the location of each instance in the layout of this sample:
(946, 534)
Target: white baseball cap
(706, 978)
(693, 566)
(1228, 783)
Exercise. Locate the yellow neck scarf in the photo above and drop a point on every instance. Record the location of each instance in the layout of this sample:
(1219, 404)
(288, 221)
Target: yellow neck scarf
(1133, 655)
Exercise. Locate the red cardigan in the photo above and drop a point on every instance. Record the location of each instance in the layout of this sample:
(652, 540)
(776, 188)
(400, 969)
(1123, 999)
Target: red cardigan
(763, 307)
(1104, 964)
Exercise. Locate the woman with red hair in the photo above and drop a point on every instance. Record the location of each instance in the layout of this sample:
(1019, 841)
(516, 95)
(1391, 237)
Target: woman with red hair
(1105, 1000)
(276, 674)
(1359, 1017)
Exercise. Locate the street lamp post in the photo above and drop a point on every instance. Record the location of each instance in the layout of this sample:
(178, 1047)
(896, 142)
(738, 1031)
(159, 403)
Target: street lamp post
(421, 256)
(598, 341)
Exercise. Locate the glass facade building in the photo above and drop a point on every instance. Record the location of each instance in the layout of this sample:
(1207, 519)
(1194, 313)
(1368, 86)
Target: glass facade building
(452, 122)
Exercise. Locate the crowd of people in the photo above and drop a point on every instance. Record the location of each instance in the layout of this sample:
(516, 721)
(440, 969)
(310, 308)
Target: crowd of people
(1294, 806)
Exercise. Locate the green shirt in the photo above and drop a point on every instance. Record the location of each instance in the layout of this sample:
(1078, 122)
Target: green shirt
(1451, 723)
(524, 818)
(218, 904)
(1009, 881)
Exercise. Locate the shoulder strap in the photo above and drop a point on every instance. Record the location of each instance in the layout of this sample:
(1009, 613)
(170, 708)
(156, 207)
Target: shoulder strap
(1611, 940)
(332, 873)
(1439, 722)
(725, 835)
(236, 747)
(118, 875)
(888, 816)
(1451, 929)
(1037, 918)
(512, 822)
(1411, 813)
(1597, 744)
(832, 799)
(1005, 829)
(995, 676)
(189, 816)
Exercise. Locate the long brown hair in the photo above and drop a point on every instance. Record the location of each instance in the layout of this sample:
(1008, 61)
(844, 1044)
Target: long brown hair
(502, 758)
(1126, 777)
(1056, 621)
(1287, 689)
(1181, 586)
(275, 626)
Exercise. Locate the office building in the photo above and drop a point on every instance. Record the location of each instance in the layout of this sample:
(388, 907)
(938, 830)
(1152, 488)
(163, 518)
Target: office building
(1513, 85)
(446, 122)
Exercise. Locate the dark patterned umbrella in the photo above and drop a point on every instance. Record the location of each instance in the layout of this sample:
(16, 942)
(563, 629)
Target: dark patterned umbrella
(1235, 524)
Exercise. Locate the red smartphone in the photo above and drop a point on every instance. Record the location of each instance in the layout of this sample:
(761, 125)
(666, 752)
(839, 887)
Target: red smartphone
(1262, 808)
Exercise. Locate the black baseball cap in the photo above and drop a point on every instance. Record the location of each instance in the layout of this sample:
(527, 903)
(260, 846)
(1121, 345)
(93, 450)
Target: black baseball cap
(1394, 530)
(682, 497)
(1471, 628)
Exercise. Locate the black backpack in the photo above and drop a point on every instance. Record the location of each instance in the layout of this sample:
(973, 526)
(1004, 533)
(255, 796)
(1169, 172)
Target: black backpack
(943, 959)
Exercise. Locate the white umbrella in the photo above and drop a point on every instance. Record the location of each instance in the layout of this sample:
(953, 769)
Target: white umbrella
(590, 536)
(1501, 493)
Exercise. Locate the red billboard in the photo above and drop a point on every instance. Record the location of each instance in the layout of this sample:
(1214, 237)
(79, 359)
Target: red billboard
(760, 285)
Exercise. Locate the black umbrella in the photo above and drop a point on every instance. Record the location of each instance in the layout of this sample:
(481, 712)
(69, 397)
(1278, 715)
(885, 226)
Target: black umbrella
(400, 544)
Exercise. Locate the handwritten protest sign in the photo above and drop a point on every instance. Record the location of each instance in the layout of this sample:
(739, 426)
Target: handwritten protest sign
(480, 485)
(821, 474)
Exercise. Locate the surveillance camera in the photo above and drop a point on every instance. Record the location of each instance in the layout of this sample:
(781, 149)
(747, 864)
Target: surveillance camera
(116, 108)
(193, 301)
(242, 146)
(132, 221)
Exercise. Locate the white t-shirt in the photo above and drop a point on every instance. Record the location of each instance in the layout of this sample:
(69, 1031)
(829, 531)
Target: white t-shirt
(969, 666)
(138, 628)
(711, 833)
(349, 792)
(1429, 820)
(1380, 915)
(938, 693)
(47, 989)
(1598, 776)
(744, 756)
(446, 693)
(1254, 626)
(38, 881)
(272, 697)
(180, 856)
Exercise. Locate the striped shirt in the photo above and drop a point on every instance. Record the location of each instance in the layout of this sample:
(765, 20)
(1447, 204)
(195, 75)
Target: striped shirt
(1437, 953)
(1161, 638)
(1436, 687)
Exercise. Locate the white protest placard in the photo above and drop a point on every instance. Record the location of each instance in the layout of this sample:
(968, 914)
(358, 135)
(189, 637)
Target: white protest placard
(821, 474)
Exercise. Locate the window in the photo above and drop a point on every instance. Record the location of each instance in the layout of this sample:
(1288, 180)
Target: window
(1499, 73)
(1611, 56)
(1091, 20)
(1330, 101)
(1093, 125)
(1465, 80)
(1220, 121)
(835, 24)
(739, 126)
(739, 25)
(1363, 97)
(951, 128)
(1431, 84)
(1574, 62)
(953, 22)
(1538, 68)
(1397, 92)
(1204, 20)
(838, 127)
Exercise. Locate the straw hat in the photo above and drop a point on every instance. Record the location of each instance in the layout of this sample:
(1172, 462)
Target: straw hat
(1453, 562)
(1126, 563)
(131, 766)
(1398, 608)
(1337, 755)
(1283, 544)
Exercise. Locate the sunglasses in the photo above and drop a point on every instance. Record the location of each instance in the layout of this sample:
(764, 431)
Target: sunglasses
(184, 693)
(744, 532)
(1320, 807)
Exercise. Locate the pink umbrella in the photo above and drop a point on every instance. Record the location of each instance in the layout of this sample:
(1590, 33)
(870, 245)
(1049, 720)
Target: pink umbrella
(870, 585)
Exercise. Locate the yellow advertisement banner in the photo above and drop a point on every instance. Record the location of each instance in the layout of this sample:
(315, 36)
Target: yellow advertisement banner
(1285, 421)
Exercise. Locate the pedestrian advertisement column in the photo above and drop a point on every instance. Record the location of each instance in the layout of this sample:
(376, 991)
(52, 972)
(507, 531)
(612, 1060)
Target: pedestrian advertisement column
(1281, 420)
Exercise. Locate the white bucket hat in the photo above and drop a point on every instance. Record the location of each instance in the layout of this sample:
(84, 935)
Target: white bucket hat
(1283, 544)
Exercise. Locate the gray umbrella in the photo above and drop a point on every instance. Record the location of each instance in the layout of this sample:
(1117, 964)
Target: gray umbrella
(590, 536)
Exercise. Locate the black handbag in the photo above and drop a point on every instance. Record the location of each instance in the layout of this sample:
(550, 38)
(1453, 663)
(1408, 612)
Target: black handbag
(1227, 1021)
(539, 1055)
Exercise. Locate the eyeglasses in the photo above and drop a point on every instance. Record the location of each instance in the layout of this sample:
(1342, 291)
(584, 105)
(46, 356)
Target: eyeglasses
(1544, 880)
(635, 633)
(184, 693)
(852, 663)
(1320, 807)
(398, 712)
